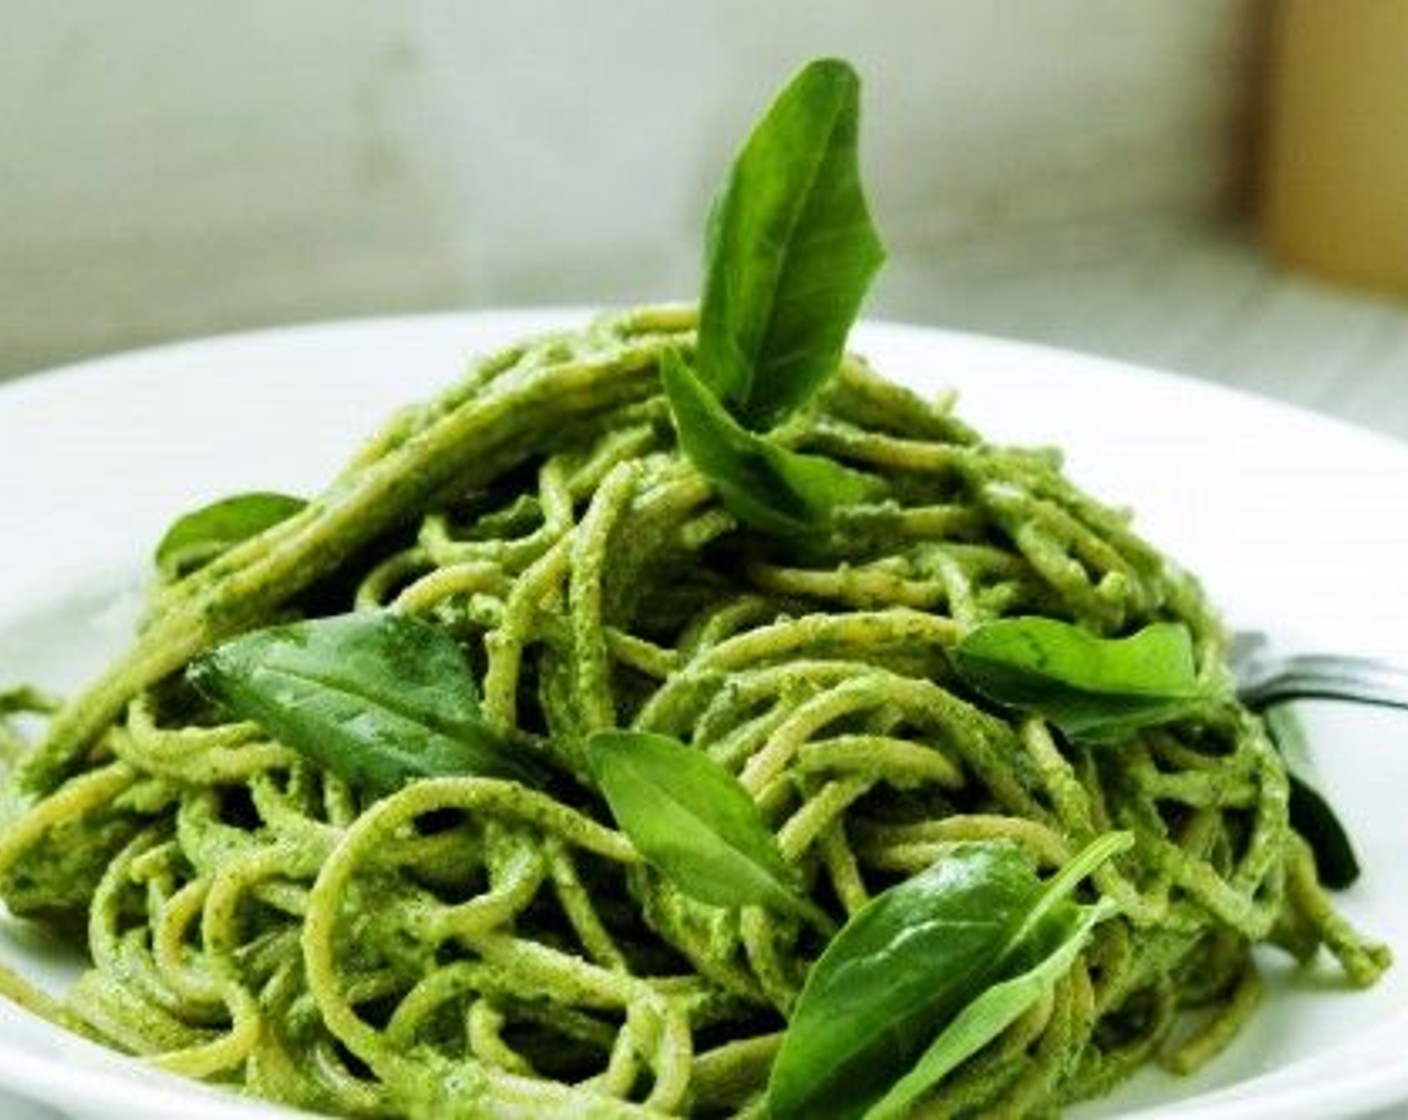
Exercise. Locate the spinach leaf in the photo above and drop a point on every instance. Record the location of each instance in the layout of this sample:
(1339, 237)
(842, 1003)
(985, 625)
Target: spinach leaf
(766, 486)
(790, 251)
(379, 699)
(1093, 688)
(693, 821)
(909, 963)
(198, 537)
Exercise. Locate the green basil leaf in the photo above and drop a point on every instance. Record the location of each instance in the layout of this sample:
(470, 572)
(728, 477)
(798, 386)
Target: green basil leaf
(908, 960)
(198, 537)
(790, 251)
(907, 965)
(1092, 688)
(766, 486)
(692, 820)
(994, 1010)
(379, 699)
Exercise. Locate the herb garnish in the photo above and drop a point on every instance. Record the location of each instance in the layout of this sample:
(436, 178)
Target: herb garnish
(1054, 948)
(379, 699)
(762, 483)
(790, 253)
(198, 537)
(695, 823)
(922, 962)
(1092, 688)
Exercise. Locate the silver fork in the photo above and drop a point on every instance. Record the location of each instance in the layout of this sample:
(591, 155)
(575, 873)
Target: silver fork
(1265, 680)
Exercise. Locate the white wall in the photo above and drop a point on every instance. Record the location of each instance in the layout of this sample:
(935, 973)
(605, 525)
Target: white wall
(176, 167)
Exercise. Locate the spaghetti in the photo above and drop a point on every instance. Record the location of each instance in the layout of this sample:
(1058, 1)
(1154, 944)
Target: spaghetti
(468, 946)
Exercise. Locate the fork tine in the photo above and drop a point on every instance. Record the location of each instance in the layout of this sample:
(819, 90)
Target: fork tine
(1323, 676)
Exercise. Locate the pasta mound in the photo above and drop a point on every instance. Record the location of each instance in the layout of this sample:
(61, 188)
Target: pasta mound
(467, 947)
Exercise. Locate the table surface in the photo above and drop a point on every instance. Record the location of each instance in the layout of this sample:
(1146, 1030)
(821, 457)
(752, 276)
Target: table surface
(1205, 303)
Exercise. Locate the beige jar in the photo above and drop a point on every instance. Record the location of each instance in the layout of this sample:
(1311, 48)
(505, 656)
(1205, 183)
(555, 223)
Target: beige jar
(1335, 186)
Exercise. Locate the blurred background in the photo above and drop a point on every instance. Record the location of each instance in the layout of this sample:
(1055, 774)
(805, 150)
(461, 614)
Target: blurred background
(1101, 174)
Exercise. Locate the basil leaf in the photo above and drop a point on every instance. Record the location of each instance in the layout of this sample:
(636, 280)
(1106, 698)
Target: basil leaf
(790, 251)
(907, 965)
(1092, 688)
(994, 1011)
(692, 820)
(908, 960)
(766, 486)
(378, 699)
(198, 537)
(1061, 885)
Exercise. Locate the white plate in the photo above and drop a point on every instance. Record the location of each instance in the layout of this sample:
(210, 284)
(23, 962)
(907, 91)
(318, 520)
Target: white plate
(1297, 525)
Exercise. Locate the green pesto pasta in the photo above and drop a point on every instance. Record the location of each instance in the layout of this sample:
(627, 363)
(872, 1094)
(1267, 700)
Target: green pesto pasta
(468, 946)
